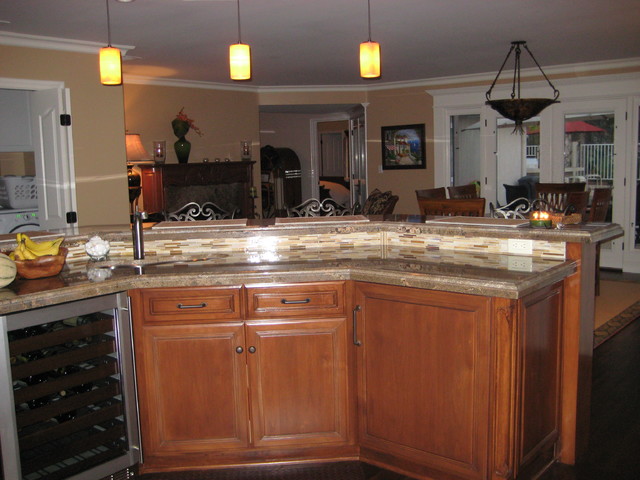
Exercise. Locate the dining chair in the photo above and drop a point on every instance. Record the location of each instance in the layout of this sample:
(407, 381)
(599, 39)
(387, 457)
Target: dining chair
(463, 191)
(578, 202)
(439, 192)
(598, 213)
(555, 194)
(600, 204)
(468, 207)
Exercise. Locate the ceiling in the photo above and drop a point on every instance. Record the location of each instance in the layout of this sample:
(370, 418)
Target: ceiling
(315, 42)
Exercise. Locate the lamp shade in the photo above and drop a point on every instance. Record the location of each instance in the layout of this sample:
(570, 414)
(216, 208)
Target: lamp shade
(110, 66)
(369, 59)
(240, 61)
(135, 150)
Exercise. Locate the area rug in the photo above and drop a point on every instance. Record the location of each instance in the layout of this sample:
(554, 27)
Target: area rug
(617, 323)
(615, 297)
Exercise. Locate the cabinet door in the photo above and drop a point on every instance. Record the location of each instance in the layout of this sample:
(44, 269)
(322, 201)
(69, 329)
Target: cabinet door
(298, 382)
(193, 388)
(423, 376)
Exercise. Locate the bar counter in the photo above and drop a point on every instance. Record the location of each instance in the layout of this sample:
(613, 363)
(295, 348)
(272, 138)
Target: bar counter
(396, 249)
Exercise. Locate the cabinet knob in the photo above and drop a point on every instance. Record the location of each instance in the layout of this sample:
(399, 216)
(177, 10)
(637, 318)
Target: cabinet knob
(239, 349)
(252, 349)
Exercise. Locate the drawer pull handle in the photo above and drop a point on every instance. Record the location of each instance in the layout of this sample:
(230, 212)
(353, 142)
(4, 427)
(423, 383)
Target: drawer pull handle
(239, 350)
(356, 342)
(185, 307)
(252, 349)
(284, 301)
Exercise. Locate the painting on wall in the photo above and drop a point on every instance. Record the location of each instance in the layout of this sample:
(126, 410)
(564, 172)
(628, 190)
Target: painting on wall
(403, 147)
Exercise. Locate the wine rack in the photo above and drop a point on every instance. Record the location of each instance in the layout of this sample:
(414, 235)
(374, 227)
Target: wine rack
(72, 404)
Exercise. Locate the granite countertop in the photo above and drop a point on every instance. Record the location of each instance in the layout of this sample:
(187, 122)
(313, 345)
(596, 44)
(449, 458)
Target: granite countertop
(475, 272)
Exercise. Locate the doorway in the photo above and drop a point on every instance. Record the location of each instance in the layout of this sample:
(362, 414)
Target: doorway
(301, 129)
(42, 156)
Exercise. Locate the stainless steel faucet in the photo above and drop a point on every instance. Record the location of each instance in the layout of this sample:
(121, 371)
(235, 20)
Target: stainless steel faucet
(138, 239)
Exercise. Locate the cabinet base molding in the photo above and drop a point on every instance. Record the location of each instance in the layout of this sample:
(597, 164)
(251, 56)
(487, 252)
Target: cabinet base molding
(185, 462)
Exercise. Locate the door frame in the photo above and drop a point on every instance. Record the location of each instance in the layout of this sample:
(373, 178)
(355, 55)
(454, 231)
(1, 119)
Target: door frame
(602, 89)
(349, 115)
(65, 137)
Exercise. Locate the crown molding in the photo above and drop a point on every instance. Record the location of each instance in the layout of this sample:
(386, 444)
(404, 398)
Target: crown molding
(577, 68)
(171, 82)
(555, 70)
(53, 43)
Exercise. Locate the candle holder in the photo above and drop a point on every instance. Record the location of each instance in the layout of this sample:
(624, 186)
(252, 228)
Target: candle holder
(540, 220)
(159, 150)
(245, 150)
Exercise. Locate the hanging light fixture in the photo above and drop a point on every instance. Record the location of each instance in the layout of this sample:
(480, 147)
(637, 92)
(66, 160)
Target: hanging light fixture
(239, 57)
(369, 53)
(110, 59)
(516, 108)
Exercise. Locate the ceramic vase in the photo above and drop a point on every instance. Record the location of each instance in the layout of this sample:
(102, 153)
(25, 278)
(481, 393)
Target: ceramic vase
(182, 148)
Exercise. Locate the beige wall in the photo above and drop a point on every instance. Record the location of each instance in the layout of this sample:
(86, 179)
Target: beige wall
(225, 117)
(399, 107)
(97, 123)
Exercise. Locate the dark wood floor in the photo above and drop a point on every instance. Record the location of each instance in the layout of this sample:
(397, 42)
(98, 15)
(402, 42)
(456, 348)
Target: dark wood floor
(614, 442)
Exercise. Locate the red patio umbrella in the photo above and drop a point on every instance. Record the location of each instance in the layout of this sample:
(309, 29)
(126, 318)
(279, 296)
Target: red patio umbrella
(573, 126)
(580, 126)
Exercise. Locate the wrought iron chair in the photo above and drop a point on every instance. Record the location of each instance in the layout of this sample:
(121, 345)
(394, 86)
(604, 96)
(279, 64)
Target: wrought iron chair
(468, 207)
(316, 208)
(193, 211)
(519, 208)
(463, 191)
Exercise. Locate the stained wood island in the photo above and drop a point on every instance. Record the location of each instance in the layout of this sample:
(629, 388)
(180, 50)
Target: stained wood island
(424, 348)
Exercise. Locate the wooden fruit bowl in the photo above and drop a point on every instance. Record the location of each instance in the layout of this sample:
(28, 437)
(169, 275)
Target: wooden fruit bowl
(41, 267)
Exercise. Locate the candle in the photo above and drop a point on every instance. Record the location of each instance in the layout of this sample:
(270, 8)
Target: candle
(540, 220)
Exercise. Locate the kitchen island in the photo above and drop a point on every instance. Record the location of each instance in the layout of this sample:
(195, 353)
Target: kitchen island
(443, 355)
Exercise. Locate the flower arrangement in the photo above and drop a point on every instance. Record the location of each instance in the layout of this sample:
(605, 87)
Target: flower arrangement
(182, 123)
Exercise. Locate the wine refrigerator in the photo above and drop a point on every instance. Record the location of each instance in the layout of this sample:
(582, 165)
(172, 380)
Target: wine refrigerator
(67, 392)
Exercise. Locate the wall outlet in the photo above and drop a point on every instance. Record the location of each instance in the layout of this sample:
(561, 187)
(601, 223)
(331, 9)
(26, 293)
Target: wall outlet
(520, 264)
(520, 246)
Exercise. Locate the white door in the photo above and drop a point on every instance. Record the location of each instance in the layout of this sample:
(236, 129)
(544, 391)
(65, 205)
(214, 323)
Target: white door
(331, 155)
(589, 145)
(53, 160)
(632, 223)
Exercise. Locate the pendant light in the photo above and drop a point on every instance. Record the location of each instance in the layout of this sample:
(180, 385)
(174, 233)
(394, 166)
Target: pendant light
(516, 108)
(369, 53)
(110, 59)
(239, 57)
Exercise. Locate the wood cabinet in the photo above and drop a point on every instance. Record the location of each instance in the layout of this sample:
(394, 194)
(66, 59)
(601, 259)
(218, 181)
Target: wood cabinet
(458, 385)
(440, 385)
(423, 372)
(226, 382)
(151, 184)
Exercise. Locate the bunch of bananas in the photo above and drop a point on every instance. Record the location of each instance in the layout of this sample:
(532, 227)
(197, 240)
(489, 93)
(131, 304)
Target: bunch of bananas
(27, 249)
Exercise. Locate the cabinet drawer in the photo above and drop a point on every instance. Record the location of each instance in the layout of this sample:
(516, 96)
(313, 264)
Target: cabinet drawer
(317, 299)
(199, 304)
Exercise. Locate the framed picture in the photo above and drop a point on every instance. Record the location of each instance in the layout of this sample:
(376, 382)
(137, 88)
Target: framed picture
(403, 147)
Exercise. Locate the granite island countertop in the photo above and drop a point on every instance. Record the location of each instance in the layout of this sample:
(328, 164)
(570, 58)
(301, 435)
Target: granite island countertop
(398, 251)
